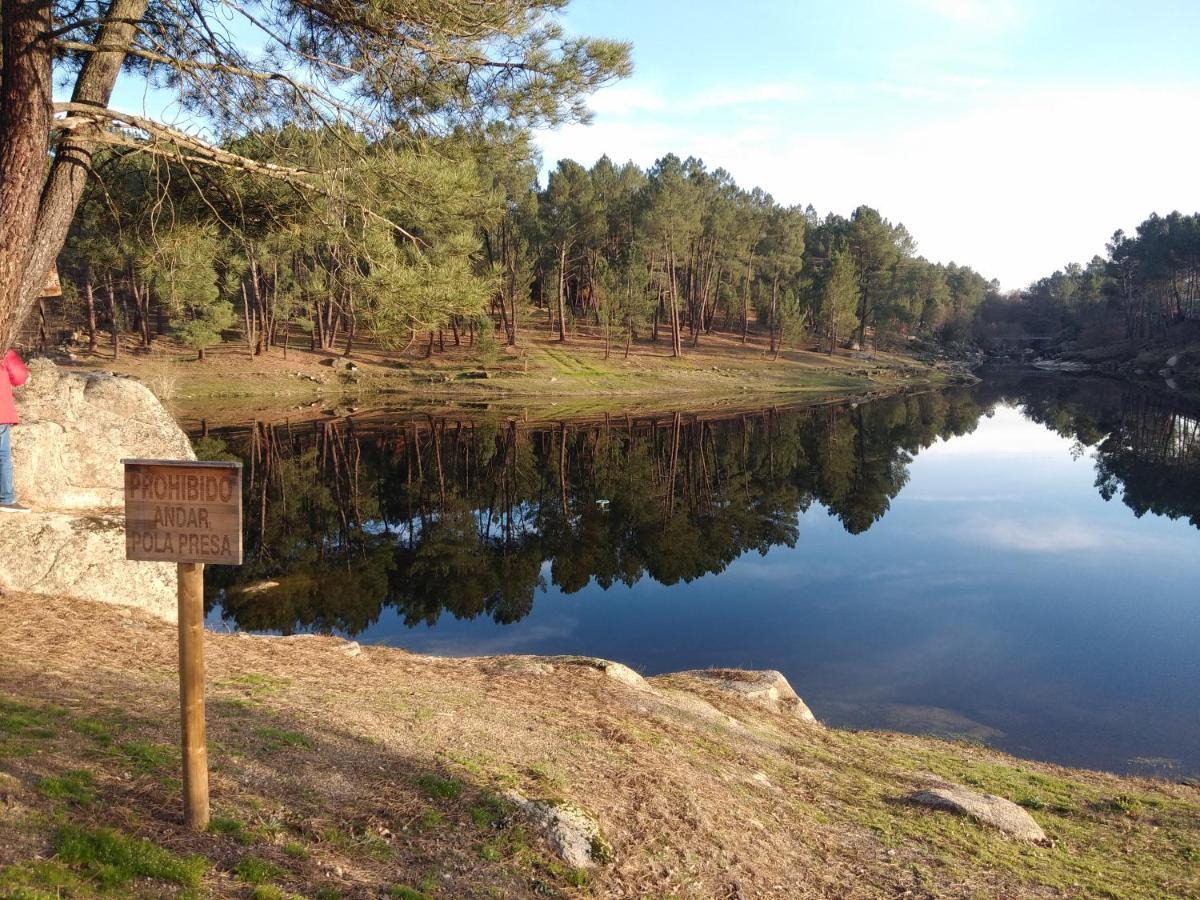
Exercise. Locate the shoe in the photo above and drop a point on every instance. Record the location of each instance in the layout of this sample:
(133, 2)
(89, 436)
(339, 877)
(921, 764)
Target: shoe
(14, 508)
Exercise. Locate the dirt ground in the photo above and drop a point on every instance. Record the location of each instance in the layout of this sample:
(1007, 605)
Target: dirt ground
(340, 771)
(233, 384)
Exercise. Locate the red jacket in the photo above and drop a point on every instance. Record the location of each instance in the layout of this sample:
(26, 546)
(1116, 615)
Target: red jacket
(12, 374)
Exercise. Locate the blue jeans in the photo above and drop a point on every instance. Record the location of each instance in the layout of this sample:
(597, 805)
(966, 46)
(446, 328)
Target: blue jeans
(6, 469)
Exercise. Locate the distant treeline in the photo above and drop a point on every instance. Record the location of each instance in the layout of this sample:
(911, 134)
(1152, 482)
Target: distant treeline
(468, 246)
(1146, 288)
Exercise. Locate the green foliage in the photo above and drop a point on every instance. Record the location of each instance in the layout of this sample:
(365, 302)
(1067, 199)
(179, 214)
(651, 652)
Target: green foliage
(840, 298)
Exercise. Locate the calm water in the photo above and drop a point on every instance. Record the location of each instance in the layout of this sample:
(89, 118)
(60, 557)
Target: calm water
(1015, 562)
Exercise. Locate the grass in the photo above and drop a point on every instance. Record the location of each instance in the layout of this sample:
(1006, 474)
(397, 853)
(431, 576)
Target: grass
(231, 827)
(440, 788)
(111, 860)
(272, 739)
(76, 786)
(682, 804)
(145, 756)
(253, 870)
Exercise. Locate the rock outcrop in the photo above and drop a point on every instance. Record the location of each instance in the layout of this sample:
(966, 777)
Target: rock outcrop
(986, 809)
(765, 687)
(81, 555)
(75, 430)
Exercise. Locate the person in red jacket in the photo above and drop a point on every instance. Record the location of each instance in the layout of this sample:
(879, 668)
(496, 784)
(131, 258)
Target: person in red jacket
(12, 374)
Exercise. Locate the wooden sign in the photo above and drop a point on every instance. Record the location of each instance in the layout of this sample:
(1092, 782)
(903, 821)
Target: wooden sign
(188, 513)
(182, 511)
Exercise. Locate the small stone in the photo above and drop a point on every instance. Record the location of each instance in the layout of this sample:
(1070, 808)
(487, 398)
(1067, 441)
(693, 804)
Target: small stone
(352, 649)
(573, 834)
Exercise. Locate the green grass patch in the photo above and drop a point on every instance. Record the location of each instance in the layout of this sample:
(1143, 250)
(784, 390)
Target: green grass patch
(42, 880)
(98, 731)
(492, 813)
(440, 788)
(276, 739)
(404, 892)
(267, 892)
(19, 720)
(77, 786)
(253, 870)
(232, 827)
(147, 757)
(296, 850)
(112, 860)
(431, 819)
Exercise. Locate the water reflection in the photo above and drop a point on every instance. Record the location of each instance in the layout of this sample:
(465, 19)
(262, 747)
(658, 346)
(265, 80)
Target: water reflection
(427, 516)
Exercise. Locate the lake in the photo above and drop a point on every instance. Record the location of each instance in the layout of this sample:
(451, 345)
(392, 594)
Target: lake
(1015, 563)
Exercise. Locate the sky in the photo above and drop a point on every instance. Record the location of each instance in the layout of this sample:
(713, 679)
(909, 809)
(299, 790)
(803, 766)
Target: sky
(1014, 136)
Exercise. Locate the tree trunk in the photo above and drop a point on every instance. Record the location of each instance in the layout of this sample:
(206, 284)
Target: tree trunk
(89, 300)
(746, 297)
(676, 343)
(248, 318)
(562, 290)
(774, 308)
(26, 251)
(25, 114)
(111, 296)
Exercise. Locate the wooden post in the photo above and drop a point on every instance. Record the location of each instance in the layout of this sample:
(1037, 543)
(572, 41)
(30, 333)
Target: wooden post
(191, 695)
(190, 513)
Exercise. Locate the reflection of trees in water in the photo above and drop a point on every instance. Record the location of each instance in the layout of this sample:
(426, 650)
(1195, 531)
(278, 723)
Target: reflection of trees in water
(1146, 443)
(431, 514)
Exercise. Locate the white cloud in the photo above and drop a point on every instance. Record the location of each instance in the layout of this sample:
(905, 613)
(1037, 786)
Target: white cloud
(1035, 536)
(624, 100)
(1016, 185)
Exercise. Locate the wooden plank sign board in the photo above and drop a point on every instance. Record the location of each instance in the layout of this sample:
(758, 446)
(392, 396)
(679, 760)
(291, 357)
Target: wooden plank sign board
(182, 511)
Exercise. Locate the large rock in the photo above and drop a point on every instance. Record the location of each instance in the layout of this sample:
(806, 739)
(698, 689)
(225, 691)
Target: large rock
(75, 430)
(764, 687)
(76, 555)
(986, 809)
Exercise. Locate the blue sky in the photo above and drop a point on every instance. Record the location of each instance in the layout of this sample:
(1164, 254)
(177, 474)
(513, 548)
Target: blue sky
(1011, 135)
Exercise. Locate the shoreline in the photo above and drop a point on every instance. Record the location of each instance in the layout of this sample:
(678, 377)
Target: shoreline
(347, 770)
(542, 375)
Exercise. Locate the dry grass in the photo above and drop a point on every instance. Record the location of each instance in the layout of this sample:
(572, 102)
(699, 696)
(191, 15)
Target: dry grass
(340, 776)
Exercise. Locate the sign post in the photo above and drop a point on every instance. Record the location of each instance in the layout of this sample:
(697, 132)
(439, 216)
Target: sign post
(189, 513)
